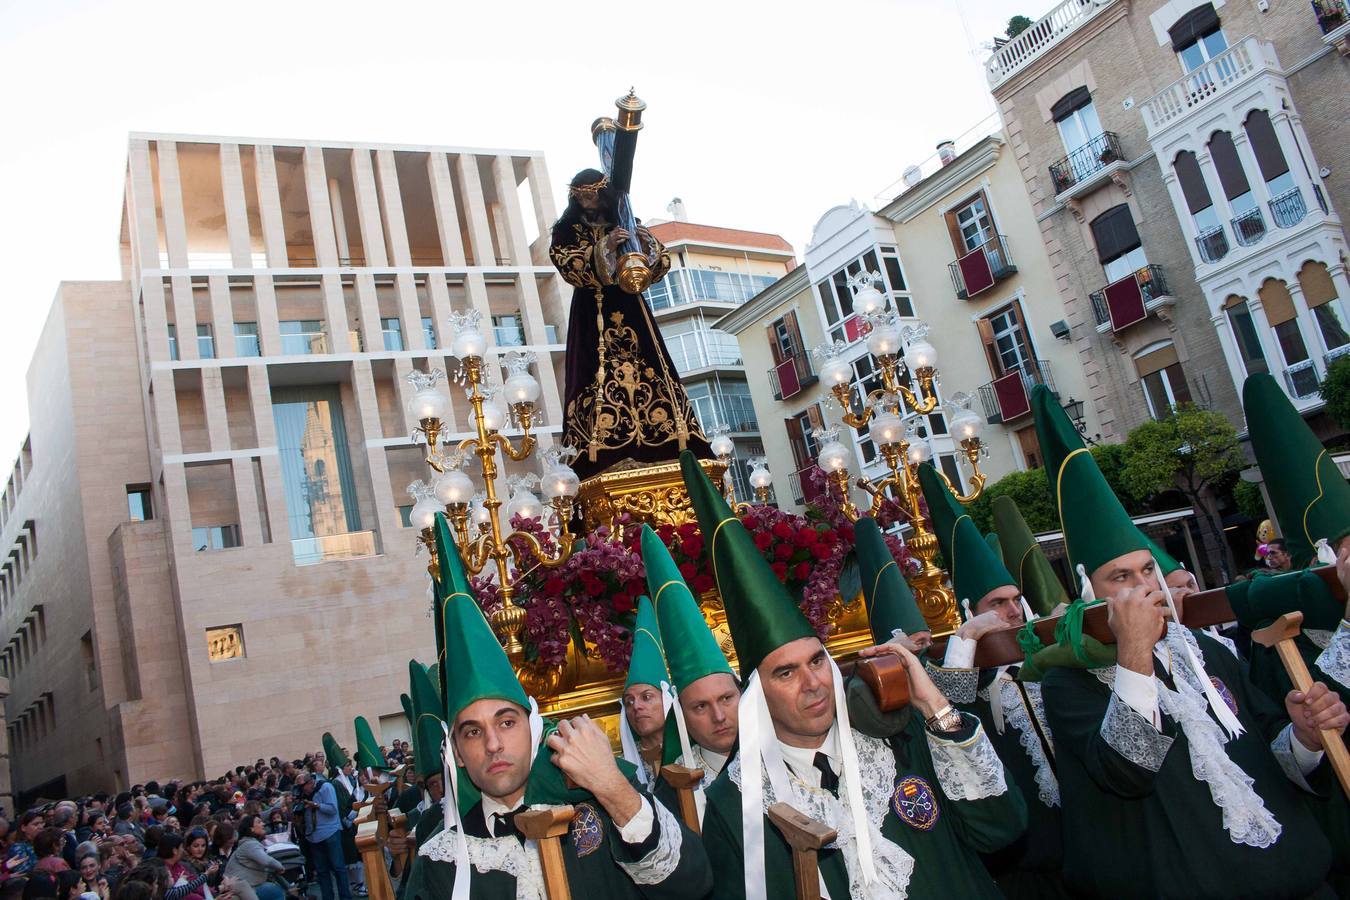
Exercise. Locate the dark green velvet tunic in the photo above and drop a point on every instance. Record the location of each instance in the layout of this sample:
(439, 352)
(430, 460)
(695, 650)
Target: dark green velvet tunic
(1133, 832)
(945, 847)
(591, 855)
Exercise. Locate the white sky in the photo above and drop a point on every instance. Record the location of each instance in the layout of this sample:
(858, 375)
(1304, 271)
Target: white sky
(760, 115)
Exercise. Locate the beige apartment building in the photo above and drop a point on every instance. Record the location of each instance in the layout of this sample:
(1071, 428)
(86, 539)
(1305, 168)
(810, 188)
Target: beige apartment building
(220, 450)
(1185, 161)
(957, 248)
(713, 270)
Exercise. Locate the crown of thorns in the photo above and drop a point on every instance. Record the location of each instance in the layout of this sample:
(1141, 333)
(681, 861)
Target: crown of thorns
(578, 190)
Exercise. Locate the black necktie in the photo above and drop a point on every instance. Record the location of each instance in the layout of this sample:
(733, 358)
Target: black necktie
(828, 780)
(505, 824)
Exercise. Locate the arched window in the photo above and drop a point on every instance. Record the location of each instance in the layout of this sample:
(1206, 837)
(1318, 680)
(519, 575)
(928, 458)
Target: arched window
(1248, 224)
(1162, 379)
(1300, 375)
(1209, 233)
(1197, 37)
(1320, 293)
(1244, 334)
(1287, 207)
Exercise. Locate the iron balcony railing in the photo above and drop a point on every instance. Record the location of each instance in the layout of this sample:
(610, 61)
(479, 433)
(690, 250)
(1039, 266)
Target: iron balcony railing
(1213, 244)
(1301, 379)
(1288, 209)
(993, 254)
(1007, 398)
(791, 376)
(1249, 227)
(1331, 14)
(1334, 354)
(1085, 161)
(1152, 285)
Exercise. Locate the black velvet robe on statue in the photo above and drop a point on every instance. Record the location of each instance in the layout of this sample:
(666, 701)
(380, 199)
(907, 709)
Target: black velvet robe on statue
(623, 398)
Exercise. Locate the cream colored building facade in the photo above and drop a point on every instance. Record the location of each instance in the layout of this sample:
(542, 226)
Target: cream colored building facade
(220, 449)
(713, 271)
(995, 337)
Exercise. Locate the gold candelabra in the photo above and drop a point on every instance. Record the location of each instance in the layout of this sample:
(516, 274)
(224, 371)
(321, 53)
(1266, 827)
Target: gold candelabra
(900, 356)
(453, 489)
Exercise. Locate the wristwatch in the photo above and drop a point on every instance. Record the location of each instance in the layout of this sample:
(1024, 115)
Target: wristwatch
(944, 720)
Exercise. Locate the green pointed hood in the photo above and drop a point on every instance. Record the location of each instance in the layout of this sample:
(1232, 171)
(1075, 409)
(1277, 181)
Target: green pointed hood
(1025, 560)
(475, 665)
(648, 662)
(760, 614)
(691, 649)
(996, 547)
(1096, 527)
(890, 602)
(1309, 494)
(368, 755)
(975, 569)
(427, 734)
(333, 752)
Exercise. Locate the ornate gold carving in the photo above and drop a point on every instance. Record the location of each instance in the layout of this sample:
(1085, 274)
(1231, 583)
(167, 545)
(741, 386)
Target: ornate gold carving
(651, 494)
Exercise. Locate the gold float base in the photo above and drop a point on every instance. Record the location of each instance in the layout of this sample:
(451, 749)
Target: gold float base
(651, 494)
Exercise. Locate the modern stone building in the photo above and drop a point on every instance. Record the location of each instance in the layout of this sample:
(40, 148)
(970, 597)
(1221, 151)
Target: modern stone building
(1185, 162)
(713, 271)
(956, 248)
(209, 557)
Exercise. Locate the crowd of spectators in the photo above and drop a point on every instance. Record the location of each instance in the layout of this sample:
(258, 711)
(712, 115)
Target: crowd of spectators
(224, 839)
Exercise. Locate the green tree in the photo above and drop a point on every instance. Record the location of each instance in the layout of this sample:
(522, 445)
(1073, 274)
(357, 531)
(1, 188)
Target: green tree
(1193, 451)
(1030, 490)
(1247, 496)
(1335, 390)
(1017, 25)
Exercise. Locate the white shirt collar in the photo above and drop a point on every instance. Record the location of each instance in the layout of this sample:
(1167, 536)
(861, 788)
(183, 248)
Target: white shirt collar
(802, 760)
(714, 762)
(493, 809)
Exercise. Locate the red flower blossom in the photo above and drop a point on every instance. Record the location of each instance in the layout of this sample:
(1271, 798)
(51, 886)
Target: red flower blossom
(702, 583)
(806, 537)
(692, 546)
(802, 571)
(780, 569)
(553, 586)
(783, 530)
(821, 551)
(623, 602)
(688, 530)
(763, 540)
(688, 570)
(783, 551)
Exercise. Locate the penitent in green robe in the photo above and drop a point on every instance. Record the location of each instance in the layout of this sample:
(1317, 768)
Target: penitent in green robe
(1144, 825)
(943, 836)
(1030, 866)
(593, 853)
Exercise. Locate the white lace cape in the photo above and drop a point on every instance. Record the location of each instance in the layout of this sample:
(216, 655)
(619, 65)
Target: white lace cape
(1017, 715)
(503, 854)
(1334, 660)
(1245, 816)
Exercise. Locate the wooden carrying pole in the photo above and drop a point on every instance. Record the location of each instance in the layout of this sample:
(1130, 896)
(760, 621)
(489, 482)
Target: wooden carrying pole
(368, 844)
(684, 779)
(1280, 634)
(805, 836)
(546, 827)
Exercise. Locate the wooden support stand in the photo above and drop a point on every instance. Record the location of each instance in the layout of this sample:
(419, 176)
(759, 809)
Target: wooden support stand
(684, 779)
(1280, 634)
(806, 837)
(546, 827)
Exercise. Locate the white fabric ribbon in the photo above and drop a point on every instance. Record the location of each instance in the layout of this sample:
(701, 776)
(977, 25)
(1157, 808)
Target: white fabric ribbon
(1226, 718)
(686, 749)
(1325, 555)
(996, 699)
(1026, 609)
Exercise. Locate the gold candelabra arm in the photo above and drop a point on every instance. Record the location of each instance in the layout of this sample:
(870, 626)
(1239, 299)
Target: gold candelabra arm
(843, 394)
(840, 481)
(926, 400)
(527, 444)
(480, 551)
(428, 539)
(971, 448)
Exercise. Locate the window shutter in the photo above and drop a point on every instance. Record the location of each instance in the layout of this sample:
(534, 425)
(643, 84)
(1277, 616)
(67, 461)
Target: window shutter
(794, 332)
(1226, 161)
(1317, 285)
(815, 417)
(796, 441)
(1277, 302)
(1115, 233)
(1265, 145)
(1193, 26)
(1157, 360)
(1181, 392)
(954, 232)
(773, 343)
(1192, 182)
(986, 330)
(1073, 100)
